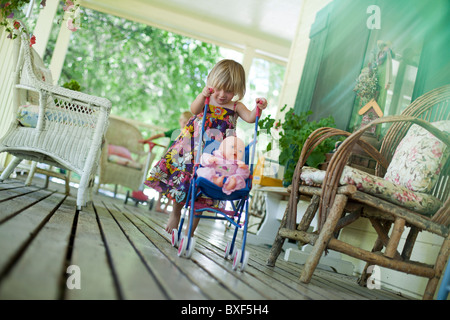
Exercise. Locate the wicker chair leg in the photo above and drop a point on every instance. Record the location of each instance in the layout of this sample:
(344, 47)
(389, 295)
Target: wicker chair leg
(278, 243)
(438, 269)
(67, 182)
(309, 214)
(31, 173)
(325, 235)
(397, 231)
(378, 246)
(10, 168)
(409, 244)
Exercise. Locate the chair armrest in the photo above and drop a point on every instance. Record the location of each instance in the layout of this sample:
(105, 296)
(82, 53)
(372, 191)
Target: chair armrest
(315, 139)
(75, 96)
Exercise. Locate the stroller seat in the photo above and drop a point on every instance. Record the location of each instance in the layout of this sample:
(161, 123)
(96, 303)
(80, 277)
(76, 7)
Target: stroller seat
(213, 191)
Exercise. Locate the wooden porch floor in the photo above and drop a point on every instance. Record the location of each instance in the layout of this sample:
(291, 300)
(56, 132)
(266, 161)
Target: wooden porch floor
(123, 252)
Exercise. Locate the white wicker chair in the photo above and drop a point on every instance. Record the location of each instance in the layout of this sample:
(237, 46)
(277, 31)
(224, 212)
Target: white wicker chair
(70, 124)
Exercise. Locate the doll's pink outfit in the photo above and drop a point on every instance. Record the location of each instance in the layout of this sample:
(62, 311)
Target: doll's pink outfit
(223, 167)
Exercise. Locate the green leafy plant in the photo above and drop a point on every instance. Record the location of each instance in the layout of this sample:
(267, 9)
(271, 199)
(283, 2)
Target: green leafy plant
(72, 85)
(296, 129)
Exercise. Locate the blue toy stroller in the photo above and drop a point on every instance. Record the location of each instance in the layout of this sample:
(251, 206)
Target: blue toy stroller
(238, 200)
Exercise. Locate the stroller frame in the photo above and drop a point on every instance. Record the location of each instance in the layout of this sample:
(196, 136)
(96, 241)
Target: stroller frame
(186, 244)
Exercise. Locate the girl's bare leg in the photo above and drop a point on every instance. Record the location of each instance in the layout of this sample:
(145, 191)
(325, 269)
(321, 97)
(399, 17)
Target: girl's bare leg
(174, 218)
(194, 226)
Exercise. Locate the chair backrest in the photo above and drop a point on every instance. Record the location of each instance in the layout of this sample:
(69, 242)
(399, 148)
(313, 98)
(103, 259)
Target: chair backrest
(432, 106)
(125, 134)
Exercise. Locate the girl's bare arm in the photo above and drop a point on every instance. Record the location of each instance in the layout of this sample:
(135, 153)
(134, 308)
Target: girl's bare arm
(199, 103)
(247, 115)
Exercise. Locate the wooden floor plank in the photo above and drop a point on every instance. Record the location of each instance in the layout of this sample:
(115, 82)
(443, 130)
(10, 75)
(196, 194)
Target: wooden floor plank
(212, 288)
(209, 241)
(20, 199)
(11, 184)
(123, 252)
(220, 269)
(16, 233)
(38, 272)
(134, 279)
(308, 291)
(174, 282)
(90, 255)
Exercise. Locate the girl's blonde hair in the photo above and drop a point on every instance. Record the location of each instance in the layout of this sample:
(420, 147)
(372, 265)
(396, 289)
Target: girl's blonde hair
(228, 75)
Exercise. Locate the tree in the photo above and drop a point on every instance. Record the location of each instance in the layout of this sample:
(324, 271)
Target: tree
(148, 74)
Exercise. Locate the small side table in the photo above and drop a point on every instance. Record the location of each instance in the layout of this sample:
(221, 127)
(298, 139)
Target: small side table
(276, 200)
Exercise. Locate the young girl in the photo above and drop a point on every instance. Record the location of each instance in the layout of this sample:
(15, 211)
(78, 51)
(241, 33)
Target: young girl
(172, 174)
(172, 134)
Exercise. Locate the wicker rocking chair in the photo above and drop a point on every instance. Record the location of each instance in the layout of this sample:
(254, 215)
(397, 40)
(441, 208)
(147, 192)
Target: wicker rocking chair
(343, 194)
(55, 125)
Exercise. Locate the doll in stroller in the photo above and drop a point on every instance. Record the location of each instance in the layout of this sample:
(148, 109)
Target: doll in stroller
(223, 172)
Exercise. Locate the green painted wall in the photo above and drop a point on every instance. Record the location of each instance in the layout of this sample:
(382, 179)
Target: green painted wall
(342, 44)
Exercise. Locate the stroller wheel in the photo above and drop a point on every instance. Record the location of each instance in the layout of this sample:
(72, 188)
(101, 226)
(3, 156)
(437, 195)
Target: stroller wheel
(244, 260)
(228, 253)
(175, 239)
(182, 246)
(236, 259)
(227, 248)
(191, 247)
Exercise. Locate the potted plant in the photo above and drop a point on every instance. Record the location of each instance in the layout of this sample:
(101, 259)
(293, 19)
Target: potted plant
(295, 130)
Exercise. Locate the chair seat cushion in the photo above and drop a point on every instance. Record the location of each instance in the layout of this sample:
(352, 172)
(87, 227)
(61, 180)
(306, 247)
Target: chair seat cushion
(119, 151)
(125, 162)
(418, 201)
(28, 116)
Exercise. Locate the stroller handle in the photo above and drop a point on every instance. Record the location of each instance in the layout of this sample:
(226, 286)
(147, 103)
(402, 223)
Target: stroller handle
(258, 112)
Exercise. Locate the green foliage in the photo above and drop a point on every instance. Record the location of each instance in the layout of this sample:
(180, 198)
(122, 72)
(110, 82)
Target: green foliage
(72, 85)
(296, 129)
(10, 11)
(148, 74)
(265, 124)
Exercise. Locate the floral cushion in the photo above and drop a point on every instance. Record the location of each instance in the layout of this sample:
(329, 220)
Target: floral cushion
(418, 159)
(28, 115)
(418, 201)
(124, 162)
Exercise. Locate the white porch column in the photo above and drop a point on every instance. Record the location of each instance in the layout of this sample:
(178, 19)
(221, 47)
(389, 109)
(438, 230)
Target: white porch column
(44, 26)
(247, 60)
(59, 54)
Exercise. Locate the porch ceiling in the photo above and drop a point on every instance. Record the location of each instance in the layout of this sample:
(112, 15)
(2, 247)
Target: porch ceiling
(268, 26)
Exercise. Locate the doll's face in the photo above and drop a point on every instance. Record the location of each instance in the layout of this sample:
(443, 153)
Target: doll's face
(232, 148)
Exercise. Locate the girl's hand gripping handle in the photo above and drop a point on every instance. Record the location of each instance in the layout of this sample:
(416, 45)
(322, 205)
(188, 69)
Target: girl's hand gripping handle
(261, 104)
(210, 91)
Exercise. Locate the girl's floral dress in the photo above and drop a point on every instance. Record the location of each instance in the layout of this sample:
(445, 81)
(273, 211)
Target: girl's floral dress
(172, 174)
